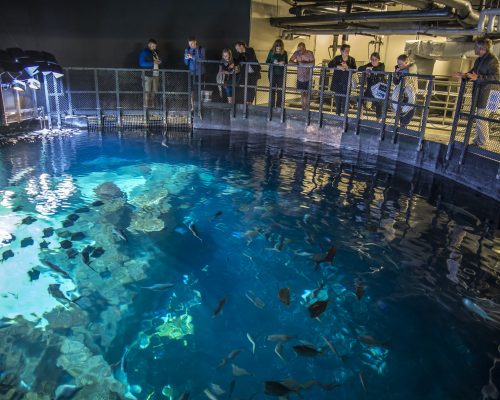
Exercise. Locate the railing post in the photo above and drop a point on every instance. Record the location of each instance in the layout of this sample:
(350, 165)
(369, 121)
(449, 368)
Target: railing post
(456, 119)
(190, 97)
(309, 93)
(430, 85)
(97, 100)
(164, 98)
(18, 105)
(347, 99)
(271, 93)
(360, 101)
(56, 98)
(400, 106)
(68, 91)
(385, 106)
(233, 94)
(283, 94)
(321, 95)
(475, 91)
(118, 105)
(200, 65)
(245, 93)
(47, 101)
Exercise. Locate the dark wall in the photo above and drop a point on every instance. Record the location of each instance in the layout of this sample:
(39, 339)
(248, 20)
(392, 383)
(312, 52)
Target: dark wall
(110, 33)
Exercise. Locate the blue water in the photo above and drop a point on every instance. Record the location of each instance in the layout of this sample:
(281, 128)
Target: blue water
(425, 250)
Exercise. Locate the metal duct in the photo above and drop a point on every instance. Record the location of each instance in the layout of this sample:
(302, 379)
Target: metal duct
(464, 10)
(385, 30)
(389, 16)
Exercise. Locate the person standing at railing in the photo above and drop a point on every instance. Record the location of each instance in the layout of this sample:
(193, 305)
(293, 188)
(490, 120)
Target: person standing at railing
(372, 80)
(409, 85)
(150, 60)
(193, 54)
(485, 68)
(229, 70)
(340, 79)
(246, 54)
(302, 56)
(278, 57)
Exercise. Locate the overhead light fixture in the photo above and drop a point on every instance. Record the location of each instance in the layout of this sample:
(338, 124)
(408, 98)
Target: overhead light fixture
(34, 84)
(18, 85)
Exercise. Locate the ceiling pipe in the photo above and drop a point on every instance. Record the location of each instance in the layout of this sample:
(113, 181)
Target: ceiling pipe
(389, 16)
(386, 31)
(464, 10)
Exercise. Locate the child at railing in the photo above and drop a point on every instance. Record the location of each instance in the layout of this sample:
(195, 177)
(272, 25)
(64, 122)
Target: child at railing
(227, 69)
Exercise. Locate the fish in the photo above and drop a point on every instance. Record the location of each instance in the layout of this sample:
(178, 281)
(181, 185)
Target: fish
(67, 223)
(7, 254)
(284, 296)
(232, 385)
(17, 208)
(216, 215)
(56, 292)
(327, 386)
(28, 220)
(217, 389)
(66, 244)
(371, 341)
(274, 388)
(362, 380)
(77, 236)
(194, 231)
(250, 339)
(280, 338)
(55, 268)
(237, 371)
(328, 257)
(48, 232)
(360, 289)
(229, 357)
(159, 287)
(473, 307)
(97, 203)
(83, 209)
(278, 349)
(44, 244)
(27, 242)
(98, 252)
(306, 350)
(332, 347)
(64, 234)
(71, 253)
(120, 233)
(210, 395)
(318, 308)
(34, 274)
(255, 300)
(219, 307)
(66, 392)
(73, 217)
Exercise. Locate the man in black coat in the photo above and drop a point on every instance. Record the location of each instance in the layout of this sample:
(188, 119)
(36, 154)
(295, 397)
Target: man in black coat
(247, 55)
(340, 79)
(485, 68)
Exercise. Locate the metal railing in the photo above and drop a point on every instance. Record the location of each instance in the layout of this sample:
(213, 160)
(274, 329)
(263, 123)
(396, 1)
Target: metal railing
(429, 108)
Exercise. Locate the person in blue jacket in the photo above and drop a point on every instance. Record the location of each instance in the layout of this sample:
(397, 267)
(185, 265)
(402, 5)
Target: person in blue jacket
(192, 55)
(149, 59)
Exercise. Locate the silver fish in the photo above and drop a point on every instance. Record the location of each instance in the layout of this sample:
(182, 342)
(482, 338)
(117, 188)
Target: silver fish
(159, 287)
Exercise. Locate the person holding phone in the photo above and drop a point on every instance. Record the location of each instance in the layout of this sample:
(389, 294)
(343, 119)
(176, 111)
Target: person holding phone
(340, 79)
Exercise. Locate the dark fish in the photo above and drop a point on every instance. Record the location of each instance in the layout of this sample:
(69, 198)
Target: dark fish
(28, 220)
(34, 274)
(274, 388)
(230, 356)
(27, 242)
(318, 308)
(86, 257)
(55, 268)
(280, 338)
(105, 274)
(83, 209)
(371, 341)
(7, 254)
(216, 215)
(77, 236)
(73, 217)
(66, 244)
(194, 231)
(306, 350)
(219, 307)
(66, 392)
(44, 244)
(17, 208)
(71, 253)
(232, 385)
(66, 223)
(98, 252)
(328, 257)
(360, 290)
(64, 234)
(328, 386)
(56, 292)
(97, 203)
(9, 240)
(284, 296)
(159, 287)
(48, 232)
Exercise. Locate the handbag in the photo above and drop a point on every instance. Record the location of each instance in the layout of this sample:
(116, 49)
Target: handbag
(379, 90)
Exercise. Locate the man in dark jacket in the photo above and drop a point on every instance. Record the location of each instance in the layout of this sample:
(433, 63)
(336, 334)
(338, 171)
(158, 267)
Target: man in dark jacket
(247, 55)
(150, 60)
(485, 68)
(340, 79)
(194, 54)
